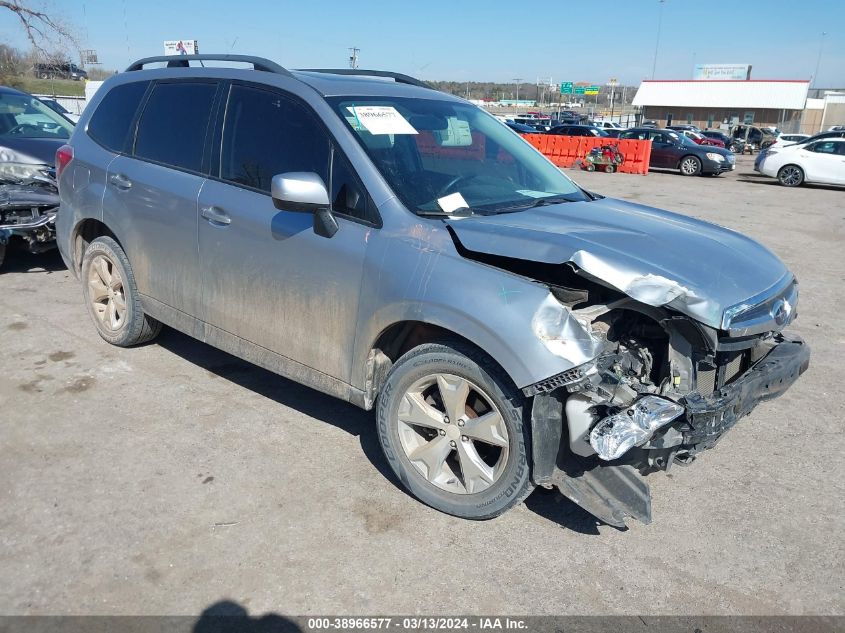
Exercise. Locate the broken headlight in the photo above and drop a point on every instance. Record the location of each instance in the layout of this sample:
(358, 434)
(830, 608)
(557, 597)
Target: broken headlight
(24, 172)
(616, 434)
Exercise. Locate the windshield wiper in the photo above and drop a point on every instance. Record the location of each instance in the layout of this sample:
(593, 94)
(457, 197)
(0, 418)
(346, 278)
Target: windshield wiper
(463, 212)
(539, 202)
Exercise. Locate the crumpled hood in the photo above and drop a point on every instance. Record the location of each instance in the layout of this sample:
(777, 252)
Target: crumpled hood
(34, 151)
(654, 256)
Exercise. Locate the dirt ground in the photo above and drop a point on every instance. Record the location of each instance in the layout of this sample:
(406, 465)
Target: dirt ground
(166, 478)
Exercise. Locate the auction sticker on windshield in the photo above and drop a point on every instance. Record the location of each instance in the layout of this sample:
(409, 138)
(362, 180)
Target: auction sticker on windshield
(382, 120)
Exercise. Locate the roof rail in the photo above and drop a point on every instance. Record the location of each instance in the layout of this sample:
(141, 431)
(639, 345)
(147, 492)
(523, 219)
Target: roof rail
(258, 63)
(397, 77)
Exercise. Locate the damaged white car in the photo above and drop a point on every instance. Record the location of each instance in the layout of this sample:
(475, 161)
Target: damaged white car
(399, 248)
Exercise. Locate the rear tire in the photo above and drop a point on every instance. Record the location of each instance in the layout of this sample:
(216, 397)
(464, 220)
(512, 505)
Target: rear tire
(690, 166)
(790, 175)
(451, 425)
(111, 295)
(610, 168)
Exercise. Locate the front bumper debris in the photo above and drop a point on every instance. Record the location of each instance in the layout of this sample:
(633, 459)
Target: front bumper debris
(614, 490)
(709, 417)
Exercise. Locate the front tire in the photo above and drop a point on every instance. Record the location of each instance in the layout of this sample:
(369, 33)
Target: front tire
(112, 297)
(790, 175)
(690, 166)
(451, 426)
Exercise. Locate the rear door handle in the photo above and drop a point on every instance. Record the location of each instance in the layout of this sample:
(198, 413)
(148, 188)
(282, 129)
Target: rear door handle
(216, 215)
(120, 181)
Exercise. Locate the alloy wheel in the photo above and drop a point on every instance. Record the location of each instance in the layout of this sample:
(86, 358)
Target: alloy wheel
(689, 166)
(106, 293)
(453, 433)
(790, 176)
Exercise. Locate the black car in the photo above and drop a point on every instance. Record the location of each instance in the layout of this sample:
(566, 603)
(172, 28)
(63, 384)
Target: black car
(614, 132)
(671, 150)
(577, 130)
(60, 70)
(521, 128)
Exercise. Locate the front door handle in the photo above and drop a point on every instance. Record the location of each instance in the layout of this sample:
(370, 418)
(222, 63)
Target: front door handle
(216, 215)
(120, 181)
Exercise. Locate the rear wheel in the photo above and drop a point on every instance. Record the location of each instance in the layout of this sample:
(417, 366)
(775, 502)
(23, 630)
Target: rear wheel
(790, 175)
(610, 168)
(112, 297)
(451, 426)
(690, 166)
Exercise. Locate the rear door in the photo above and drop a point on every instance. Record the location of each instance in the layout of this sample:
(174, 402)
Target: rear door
(152, 193)
(267, 277)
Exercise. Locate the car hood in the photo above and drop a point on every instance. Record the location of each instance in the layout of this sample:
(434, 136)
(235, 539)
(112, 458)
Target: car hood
(656, 257)
(37, 151)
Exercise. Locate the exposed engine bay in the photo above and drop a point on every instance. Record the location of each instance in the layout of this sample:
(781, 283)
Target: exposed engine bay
(28, 216)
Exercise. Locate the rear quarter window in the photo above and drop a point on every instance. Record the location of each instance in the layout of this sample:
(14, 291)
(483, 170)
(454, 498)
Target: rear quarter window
(110, 123)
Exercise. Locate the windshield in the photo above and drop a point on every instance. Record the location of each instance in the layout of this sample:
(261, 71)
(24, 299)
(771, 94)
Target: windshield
(444, 157)
(22, 116)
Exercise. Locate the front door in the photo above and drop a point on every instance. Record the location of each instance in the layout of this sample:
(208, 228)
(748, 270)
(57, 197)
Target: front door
(824, 162)
(266, 276)
(663, 152)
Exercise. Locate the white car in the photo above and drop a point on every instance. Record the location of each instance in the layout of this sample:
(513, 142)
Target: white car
(789, 139)
(821, 161)
(608, 125)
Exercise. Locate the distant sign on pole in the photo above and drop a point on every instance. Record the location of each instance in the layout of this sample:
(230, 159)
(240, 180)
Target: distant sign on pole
(566, 88)
(181, 47)
(579, 90)
(591, 90)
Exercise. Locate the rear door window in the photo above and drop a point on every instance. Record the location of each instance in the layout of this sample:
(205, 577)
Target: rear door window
(110, 123)
(173, 126)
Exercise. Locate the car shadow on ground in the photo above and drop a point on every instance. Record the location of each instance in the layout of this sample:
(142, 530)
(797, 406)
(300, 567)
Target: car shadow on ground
(21, 261)
(550, 504)
(230, 617)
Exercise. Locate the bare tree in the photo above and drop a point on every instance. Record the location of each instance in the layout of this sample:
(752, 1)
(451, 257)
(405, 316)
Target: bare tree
(48, 34)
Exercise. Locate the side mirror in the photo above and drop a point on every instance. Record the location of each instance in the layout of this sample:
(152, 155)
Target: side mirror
(304, 192)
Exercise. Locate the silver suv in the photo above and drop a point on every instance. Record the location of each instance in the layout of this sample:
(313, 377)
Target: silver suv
(401, 249)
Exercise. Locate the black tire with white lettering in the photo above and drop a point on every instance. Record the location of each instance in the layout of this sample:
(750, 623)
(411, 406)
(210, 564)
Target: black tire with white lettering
(452, 426)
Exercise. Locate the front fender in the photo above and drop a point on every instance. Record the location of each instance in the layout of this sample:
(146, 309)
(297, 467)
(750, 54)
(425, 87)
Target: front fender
(504, 314)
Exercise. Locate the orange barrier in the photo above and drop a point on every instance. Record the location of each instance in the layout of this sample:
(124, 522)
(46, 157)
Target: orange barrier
(563, 151)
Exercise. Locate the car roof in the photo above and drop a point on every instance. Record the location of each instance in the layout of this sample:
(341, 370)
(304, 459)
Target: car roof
(327, 82)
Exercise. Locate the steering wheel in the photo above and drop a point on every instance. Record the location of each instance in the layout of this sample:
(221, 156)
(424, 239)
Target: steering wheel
(445, 189)
(20, 129)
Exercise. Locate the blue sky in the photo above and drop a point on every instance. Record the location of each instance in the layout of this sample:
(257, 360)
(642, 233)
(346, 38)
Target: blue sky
(477, 40)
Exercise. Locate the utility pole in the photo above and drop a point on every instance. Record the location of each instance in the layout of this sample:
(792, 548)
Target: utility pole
(612, 84)
(517, 80)
(818, 60)
(657, 42)
(353, 57)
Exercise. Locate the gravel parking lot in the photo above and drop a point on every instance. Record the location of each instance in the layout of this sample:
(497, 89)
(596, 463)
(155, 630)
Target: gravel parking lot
(166, 478)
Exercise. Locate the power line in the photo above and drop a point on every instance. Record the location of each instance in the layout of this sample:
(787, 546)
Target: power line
(657, 42)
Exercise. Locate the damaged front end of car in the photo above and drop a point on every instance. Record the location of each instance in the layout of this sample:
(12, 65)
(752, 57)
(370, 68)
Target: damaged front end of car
(28, 208)
(672, 367)
(663, 389)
